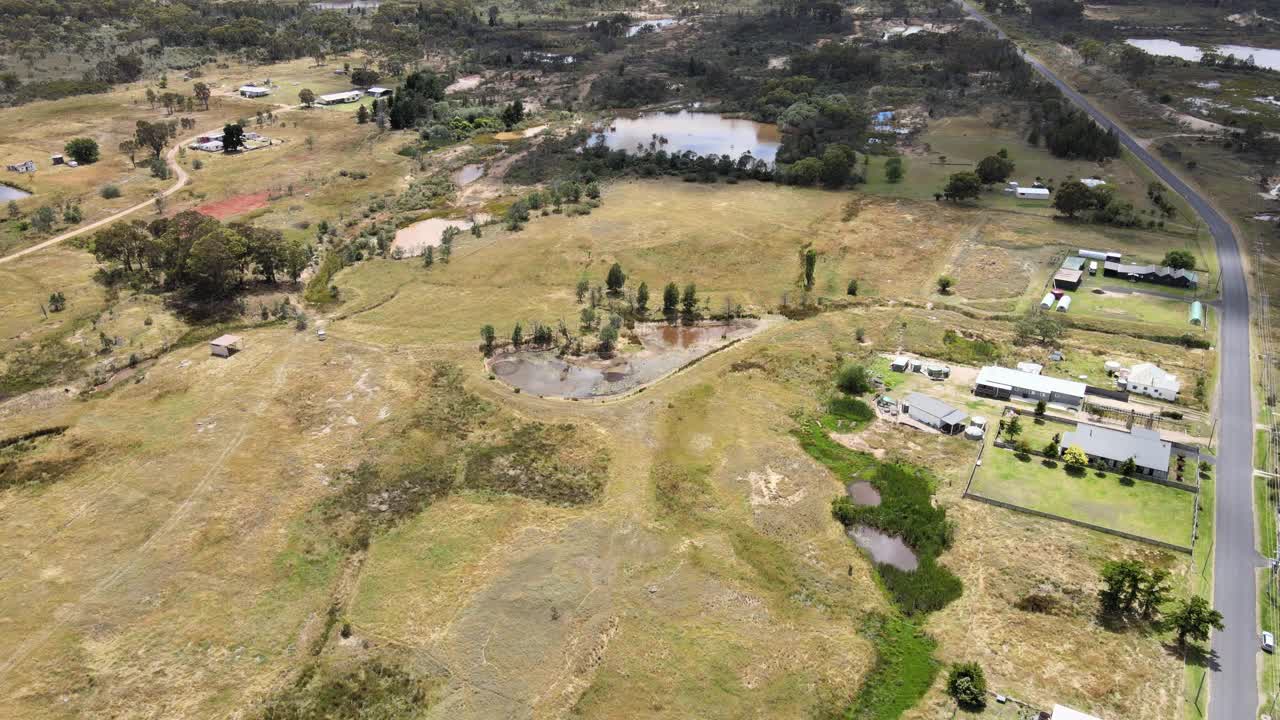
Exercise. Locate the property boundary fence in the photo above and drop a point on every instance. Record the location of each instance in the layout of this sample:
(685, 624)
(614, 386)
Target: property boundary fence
(1080, 523)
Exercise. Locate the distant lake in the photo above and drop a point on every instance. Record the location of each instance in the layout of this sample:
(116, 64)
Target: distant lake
(702, 133)
(1262, 57)
(8, 193)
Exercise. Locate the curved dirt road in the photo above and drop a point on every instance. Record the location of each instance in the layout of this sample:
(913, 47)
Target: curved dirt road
(1234, 661)
(170, 159)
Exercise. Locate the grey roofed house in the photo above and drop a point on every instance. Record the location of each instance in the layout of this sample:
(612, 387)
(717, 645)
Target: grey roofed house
(1112, 447)
(1152, 273)
(934, 413)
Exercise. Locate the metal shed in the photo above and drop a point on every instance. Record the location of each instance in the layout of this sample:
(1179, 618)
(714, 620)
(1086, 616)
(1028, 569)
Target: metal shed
(1197, 313)
(226, 345)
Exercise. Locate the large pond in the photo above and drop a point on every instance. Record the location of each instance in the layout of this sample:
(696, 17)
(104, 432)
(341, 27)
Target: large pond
(1262, 57)
(8, 193)
(702, 133)
(884, 549)
(663, 349)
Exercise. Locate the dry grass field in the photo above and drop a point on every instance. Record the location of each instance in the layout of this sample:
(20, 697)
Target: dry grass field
(198, 542)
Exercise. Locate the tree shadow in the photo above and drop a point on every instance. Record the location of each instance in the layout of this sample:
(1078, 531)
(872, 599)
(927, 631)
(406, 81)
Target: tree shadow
(1194, 654)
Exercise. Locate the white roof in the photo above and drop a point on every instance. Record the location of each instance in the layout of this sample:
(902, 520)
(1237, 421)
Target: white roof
(996, 375)
(341, 95)
(1062, 712)
(225, 340)
(379, 89)
(1153, 376)
(1065, 301)
(1038, 192)
(1048, 299)
(1030, 367)
(254, 88)
(1092, 182)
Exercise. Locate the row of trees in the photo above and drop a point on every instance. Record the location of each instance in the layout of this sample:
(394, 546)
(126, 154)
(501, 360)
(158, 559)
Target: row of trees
(197, 254)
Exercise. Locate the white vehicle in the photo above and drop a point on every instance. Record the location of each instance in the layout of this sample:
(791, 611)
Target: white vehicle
(1268, 642)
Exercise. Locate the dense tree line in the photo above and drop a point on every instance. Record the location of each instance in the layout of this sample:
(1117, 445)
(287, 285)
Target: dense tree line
(414, 100)
(197, 254)
(1069, 133)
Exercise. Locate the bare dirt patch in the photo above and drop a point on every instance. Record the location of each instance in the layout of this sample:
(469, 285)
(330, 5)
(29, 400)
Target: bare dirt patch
(232, 206)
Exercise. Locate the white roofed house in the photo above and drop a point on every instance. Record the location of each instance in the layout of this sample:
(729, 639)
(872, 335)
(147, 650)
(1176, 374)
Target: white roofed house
(253, 91)
(1150, 380)
(1031, 193)
(378, 92)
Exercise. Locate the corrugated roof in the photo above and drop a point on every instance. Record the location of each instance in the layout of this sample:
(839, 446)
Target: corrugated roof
(225, 340)
(996, 375)
(936, 408)
(1153, 376)
(1143, 445)
(1074, 262)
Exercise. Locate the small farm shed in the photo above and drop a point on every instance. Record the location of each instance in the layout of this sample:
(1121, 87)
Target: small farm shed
(934, 413)
(378, 92)
(1064, 304)
(1047, 301)
(1032, 193)
(253, 91)
(226, 345)
(1068, 279)
(1197, 313)
(342, 97)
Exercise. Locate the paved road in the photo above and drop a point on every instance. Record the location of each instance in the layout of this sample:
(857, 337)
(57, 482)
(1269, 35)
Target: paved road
(1234, 684)
(181, 175)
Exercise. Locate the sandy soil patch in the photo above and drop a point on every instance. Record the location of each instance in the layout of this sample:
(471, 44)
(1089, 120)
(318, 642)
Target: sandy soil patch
(232, 206)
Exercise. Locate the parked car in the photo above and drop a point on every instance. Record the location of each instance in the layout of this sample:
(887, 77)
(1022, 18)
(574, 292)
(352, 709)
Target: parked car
(1268, 642)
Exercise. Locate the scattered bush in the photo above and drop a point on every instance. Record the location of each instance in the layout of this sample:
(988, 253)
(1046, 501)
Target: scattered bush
(967, 685)
(109, 192)
(853, 379)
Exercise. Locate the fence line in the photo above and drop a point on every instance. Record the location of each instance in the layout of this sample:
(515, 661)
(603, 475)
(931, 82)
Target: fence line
(1079, 523)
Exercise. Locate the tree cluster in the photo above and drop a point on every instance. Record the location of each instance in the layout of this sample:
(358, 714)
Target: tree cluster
(197, 254)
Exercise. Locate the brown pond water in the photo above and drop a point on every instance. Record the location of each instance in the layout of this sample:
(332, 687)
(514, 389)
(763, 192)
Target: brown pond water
(663, 349)
(702, 133)
(416, 238)
(863, 493)
(884, 549)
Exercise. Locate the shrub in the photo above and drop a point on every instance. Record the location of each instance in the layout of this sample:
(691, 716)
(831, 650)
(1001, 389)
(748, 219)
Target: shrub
(109, 192)
(852, 409)
(82, 150)
(853, 379)
(967, 685)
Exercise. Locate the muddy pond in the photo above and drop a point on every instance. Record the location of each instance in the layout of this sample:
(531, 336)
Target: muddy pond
(884, 549)
(8, 193)
(1262, 57)
(468, 174)
(663, 349)
(416, 238)
(699, 132)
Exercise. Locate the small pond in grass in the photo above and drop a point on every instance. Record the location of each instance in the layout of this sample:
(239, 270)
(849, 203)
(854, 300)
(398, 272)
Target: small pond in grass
(1262, 57)
(863, 493)
(698, 132)
(8, 193)
(662, 349)
(468, 174)
(416, 238)
(884, 549)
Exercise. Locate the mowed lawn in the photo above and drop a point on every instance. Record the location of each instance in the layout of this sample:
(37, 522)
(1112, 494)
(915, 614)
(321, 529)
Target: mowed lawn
(1143, 508)
(1134, 307)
